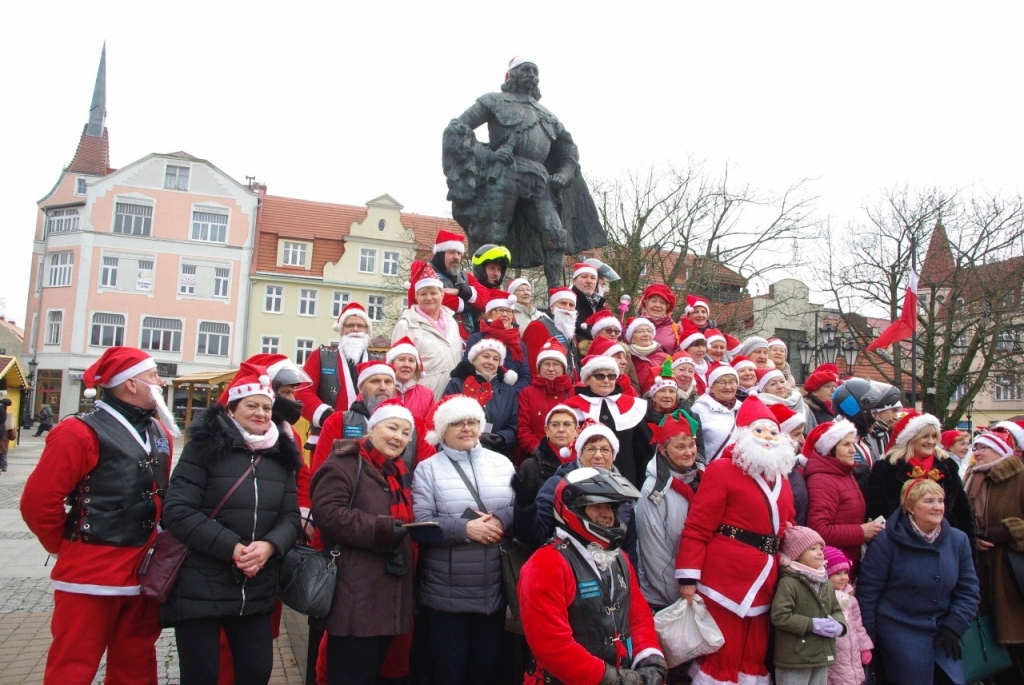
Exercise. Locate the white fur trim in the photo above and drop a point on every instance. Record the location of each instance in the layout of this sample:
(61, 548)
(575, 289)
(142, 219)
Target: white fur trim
(606, 322)
(450, 245)
(751, 679)
(719, 372)
(557, 355)
(496, 302)
(89, 393)
(676, 363)
(427, 283)
(131, 372)
(637, 323)
(768, 378)
(915, 426)
(405, 348)
(717, 336)
(687, 573)
(510, 377)
(487, 344)
(744, 364)
(597, 430)
(776, 342)
(97, 590)
(318, 415)
(691, 339)
(643, 654)
(1016, 431)
(390, 412)
(698, 303)
(833, 436)
(599, 364)
(238, 392)
(456, 408)
(340, 323)
(516, 284)
(562, 295)
(791, 424)
(378, 369)
(584, 269)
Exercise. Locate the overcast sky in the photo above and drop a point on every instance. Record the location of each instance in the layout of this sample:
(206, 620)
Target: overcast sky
(347, 101)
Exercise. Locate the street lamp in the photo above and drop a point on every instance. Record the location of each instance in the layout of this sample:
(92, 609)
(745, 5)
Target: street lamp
(32, 365)
(828, 350)
(970, 426)
(850, 353)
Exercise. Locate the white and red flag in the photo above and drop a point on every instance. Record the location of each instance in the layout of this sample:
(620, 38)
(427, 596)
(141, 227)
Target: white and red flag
(903, 327)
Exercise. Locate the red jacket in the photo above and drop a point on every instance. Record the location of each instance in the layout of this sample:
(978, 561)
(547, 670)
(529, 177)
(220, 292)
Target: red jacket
(535, 401)
(648, 368)
(313, 407)
(332, 430)
(547, 586)
(735, 575)
(836, 507)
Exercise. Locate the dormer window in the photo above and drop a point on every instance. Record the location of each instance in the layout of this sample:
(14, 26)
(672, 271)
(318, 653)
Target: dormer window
(176, 177)
(79, 186)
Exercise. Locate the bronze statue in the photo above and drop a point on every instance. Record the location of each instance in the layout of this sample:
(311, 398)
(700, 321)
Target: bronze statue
(523, 189)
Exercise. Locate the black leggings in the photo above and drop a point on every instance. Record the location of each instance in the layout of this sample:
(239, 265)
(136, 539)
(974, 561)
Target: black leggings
(355, 660)
(252, 649)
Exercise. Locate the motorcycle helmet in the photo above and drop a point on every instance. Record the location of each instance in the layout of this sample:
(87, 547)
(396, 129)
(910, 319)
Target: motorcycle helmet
(491, 254)
(890, 397)
(854, 400)
(586, 486)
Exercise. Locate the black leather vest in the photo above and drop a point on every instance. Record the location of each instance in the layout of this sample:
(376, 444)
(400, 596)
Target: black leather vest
(330, 380)
(115, 503)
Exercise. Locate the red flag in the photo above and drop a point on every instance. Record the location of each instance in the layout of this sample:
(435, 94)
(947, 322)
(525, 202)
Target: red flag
(903, 327)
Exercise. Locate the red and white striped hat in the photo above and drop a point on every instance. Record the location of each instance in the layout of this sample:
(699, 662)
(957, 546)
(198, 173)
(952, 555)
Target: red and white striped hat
(994, 441)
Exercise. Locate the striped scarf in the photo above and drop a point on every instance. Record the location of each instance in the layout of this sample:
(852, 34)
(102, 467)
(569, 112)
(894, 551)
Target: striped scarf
(397, 475)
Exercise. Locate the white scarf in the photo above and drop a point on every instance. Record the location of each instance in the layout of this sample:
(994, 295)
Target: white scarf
(258, 442)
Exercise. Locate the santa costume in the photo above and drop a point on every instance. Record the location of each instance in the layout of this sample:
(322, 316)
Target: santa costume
(115, 462)
(730, 543)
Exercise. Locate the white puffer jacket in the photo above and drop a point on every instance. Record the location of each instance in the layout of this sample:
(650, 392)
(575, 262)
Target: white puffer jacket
(458, 575)
(717, 422)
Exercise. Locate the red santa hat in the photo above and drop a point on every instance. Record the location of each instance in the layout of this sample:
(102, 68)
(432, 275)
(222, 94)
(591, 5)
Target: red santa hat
(583, 268)
(404, 346)
(671, 425)
(690, 334)
(766, 376)
(718, 369)
(740, 362)
(788, 419)
(446, 240)
(825, 436)
(1014, 428)
(592, 429)
(565, 409)
(636, 322)
(713, 335)
(390, 409)
(603, 347)
(777, 342)
(498, 299)
(752, 411)
(681, 357)
(600, 320)
(250, 380)
(114, 367)
(487, 344)
(552, 349)
(662, 291)
(557, 294)
(352, 309)
(449, 410)
(693, 301)
(517, 61)
(950, 437)
(593, 363)
(517, 283)
(373, 368)
(819, 378)
(994, 441)
(909, 427)
(732, 345)
(422, 275)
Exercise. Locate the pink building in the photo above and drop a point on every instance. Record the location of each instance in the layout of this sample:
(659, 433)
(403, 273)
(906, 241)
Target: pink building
(153, 255)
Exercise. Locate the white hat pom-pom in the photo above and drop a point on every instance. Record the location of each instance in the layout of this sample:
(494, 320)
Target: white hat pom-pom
(89, 393)
(407, 284)
(564, 452)
(336, 326)
(265, 380)
(433, 438)
(511, 377)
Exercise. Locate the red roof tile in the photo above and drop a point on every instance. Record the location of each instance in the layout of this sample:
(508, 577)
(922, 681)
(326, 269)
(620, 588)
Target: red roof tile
(92, 156)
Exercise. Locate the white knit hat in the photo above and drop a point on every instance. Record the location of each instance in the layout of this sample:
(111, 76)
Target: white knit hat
(752, 343)
(449, 410)
(391, 408)
(487, 344)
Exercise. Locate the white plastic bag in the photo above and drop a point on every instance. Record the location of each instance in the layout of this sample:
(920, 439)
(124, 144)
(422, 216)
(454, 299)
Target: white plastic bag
(687, 631)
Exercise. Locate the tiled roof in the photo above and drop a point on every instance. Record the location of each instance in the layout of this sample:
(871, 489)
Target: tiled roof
(938, 263)
(92, 156)
(10, 326)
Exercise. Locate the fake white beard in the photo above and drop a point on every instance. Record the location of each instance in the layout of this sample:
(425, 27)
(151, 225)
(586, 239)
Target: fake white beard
(565, 322)
(759, 457)
(603, 558)
(162, 410)
(353, 346)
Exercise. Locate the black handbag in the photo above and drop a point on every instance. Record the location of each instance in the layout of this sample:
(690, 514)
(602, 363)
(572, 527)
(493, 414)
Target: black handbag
(307, 578)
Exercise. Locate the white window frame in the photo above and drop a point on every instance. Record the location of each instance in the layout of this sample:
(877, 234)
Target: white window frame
(115, 326)
(389, 263)
(138, 214)
(203, 339)
(60, 271)
(293, 254)
(62, 220)
(176, 183)
(50, 339)
(80, 185)
(339, 299)
(174, 334)
(1007, 388)
(204, 229)
(221, 282)
(303, 348)
(270, 344)
(108, 271)
(185, 288)
(276, 298)
(375, 305)
(367, 260)
(307, 301)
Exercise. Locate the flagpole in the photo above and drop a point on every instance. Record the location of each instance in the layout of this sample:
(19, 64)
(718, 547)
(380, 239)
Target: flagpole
(913, 338)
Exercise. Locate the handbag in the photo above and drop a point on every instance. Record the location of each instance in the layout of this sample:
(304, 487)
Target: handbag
(158, 570)
(983, 656)
(686, 631)
(307, 579)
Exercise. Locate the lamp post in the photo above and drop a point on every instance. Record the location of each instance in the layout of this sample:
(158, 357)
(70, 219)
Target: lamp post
(29, 407)
(970, 426)
(850, 353)
(827, 351)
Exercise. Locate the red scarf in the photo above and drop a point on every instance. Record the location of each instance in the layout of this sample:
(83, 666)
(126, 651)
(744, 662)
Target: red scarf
(399, 480)
(560, 386)
(682, 488)
(509, 337)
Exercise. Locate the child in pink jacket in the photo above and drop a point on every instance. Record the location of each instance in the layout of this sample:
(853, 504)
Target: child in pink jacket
(853, 650)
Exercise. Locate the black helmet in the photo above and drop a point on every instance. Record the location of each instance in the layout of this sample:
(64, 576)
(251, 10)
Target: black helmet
(890, 397)
(491, 254)
(586, 486)
(855, 399)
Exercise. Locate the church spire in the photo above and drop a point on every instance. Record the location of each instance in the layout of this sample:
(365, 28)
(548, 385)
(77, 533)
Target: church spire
(98, 109)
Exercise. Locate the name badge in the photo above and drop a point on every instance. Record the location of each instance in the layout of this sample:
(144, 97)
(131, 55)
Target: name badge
(329, 372)
(589, 589)
(353, 432)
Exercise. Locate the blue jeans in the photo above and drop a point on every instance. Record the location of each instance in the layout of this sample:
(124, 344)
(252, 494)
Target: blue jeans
(465, 647)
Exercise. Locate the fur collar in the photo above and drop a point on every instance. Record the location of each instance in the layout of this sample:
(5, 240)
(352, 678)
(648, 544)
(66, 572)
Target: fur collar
(218, 436)
(1005, 469)
(465, 369)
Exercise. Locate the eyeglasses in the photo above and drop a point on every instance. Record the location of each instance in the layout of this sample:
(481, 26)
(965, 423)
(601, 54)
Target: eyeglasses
(604, 376)
(594, 451)
(465, 423)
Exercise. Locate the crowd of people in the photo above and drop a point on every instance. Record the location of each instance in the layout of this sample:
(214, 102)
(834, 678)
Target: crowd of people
(632, 463)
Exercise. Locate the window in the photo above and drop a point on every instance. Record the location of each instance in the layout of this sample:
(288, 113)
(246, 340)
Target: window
(1010, 340)
(161, 334)
(108, 274)
(144, 277)
(303, 348)
(213, 338)
(958, 393)
(176, 177)
(307, 302)
(294, 254)
(79, 186)
(133, 219)
(62, 221)
(375, 307)
(270, 344)
(367, 260)
(390, 265)
(60, 269)
(220, 282)
(107, 330)
(1007, 389)
(272, 299)
(54, 323)
(187, 286)
(340, 300)
(211, 227)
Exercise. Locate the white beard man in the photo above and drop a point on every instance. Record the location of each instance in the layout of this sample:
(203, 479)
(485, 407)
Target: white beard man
(561, 325)
(729, 544)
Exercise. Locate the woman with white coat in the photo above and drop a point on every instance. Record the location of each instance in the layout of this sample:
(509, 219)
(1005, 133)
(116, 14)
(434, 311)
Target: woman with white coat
(717, 409)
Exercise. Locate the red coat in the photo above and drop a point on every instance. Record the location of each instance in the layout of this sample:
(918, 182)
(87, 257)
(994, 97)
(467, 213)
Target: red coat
(648, 368)
(547, 586)
(332, 431)
(535, 401)
(735, 575)
(312, 406)
(418, 399)
(72, 450)
(534, 337)
(836, 507)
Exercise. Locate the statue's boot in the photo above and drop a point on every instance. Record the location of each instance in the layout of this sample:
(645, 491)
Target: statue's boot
(554, 269)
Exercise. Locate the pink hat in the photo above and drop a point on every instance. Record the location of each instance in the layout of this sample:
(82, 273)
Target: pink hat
(373, 368)
(114, 367)
(446, 240)
(836, 561)
(799, 539)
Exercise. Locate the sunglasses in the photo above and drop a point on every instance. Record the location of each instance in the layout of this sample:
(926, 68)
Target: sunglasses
(604, 376)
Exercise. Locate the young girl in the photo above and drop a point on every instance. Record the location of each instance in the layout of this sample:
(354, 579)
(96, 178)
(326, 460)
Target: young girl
(853, 650)
(805, 612)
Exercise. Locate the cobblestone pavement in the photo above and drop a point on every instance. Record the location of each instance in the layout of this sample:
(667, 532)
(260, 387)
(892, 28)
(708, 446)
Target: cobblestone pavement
(26, 600)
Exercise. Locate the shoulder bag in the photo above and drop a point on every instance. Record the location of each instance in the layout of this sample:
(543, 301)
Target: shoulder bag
(983, 656)
(158, 570)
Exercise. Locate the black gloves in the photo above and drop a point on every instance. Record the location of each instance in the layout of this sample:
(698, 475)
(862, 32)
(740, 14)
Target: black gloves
(398, 534)
(620, 676)
(492, 441)
(526, 491)
(465, 292)
(948, 642)
(397, 564)
(653, 669)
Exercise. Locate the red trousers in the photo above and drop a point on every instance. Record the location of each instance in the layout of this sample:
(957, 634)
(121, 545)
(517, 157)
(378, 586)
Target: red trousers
(744, 651)
(83, 626)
